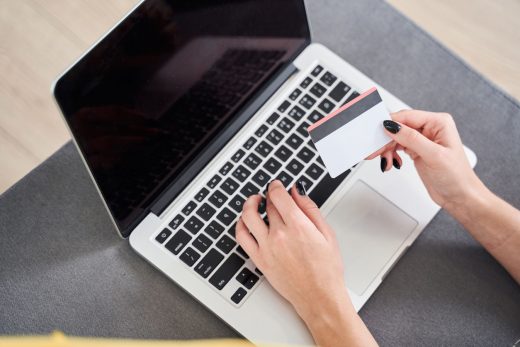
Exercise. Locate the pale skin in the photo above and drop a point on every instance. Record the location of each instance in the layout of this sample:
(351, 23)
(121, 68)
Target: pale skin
(298, 252)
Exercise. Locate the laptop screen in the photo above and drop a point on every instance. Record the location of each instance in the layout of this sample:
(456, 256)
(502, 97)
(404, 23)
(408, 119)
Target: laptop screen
(149, 98)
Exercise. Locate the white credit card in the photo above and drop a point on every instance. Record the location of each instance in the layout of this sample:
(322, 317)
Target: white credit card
(351, 133)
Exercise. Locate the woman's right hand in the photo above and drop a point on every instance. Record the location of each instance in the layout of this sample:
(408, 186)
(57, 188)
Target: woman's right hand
(433, 143)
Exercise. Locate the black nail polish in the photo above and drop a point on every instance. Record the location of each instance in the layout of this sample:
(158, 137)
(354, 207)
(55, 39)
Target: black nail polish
(396, 164)
(300, 188)
(391, 126)
(383, 164)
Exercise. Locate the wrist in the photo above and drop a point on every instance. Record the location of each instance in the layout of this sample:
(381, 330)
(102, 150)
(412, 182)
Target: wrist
(474, 197)
(327, 310)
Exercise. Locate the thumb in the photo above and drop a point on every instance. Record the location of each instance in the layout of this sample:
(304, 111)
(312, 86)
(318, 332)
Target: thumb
(411, 139)
(310, 209)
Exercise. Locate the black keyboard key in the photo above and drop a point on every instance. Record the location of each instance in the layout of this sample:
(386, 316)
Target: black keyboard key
(261, 131)
(201, 194)
(307, 183)
(275, 137)
(273, 118)
(249, 189)
(314, 171)
(208, 264)
(226, 168)
(328, 78)
(178, 241)
(214, 229)
(295, 94)
(285, 125)
(263, 149)
(305, 154)
(325, 187)
(261, 178)
(247, 278)
(339, 91)
(315, 116)
(189, 256)
(202, 243)
(318, 90)
(232, 230)
(302, 129)
(259, 272)
(252, 161)
(241, 173)
(294, 141)
(351, 97)
(261, 206)
(326, 105)
(239, 295)
(307, 101)
(226, 244)
(237, 203)
(193, 225)
(316, 71)
(174, 224)
(214, 181)
(283, 153)
(241, 251)
(295, 167)
(217, 198)
(296, 113)
(206, 212)
(229, 186)
(163, 235)
(238, 155)
(272, 165)
(190, 206)
(305, 83)
(226, 216)
(284, 106)
(250, 143)
(285, 178)
(226, 271)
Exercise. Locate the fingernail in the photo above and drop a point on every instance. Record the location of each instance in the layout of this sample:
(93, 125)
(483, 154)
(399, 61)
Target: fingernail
(300, 188)
(391, 126)
(383, 164)
(396, 164)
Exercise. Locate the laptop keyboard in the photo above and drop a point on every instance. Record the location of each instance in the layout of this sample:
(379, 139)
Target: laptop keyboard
(202, 234)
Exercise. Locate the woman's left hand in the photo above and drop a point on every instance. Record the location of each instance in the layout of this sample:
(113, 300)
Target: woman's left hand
(297, 252)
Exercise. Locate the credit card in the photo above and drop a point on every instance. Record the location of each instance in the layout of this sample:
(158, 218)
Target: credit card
(351, 133)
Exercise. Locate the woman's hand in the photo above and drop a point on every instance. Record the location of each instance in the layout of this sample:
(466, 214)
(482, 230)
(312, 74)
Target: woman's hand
(299, 255)
(433, 143)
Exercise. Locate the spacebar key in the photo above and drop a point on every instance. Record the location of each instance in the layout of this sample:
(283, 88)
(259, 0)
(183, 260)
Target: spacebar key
(228, 269)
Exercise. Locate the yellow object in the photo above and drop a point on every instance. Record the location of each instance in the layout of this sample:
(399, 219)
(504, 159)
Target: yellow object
(58, 339)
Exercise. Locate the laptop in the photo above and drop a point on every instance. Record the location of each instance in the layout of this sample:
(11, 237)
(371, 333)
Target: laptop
(186, 108)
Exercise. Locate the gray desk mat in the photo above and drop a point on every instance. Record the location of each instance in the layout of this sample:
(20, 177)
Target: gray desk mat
(63, 267)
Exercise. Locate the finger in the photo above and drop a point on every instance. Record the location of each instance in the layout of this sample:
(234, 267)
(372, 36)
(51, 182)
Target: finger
(397, 162)
(283, 202)
(411, 139)
(310, 209)
(252, 220)
(246, 240)
(430, 124)
(386, 161)
(275, 220)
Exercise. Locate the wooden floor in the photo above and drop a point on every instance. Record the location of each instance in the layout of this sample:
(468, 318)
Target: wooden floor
(40, 38)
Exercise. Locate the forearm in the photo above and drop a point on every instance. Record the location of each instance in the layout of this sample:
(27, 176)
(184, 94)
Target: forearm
(495, 224)
(336, 323)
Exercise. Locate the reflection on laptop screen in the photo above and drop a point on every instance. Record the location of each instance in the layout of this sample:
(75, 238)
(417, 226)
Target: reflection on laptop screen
(147, 100)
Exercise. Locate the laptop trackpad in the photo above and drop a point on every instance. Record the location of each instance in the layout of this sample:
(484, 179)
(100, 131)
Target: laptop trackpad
(370, 229)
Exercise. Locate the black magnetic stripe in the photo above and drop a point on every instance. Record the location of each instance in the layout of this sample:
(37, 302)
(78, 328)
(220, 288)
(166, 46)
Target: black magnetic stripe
(339, 120)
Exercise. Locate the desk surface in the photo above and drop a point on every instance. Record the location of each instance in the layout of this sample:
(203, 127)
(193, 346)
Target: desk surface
(63, 267)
